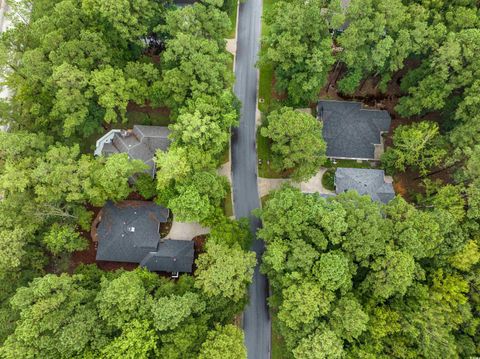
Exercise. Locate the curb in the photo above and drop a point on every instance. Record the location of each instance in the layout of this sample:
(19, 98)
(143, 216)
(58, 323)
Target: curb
(230, 139)
(236, 37)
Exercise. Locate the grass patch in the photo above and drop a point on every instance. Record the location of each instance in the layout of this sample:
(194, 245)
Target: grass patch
(279, 351)
(347, 164)
(143, 118)
(88, 144)
(266, 70)
(265, 158)
(264, 200)
(265, 87)
(233, 20)
(231, 62)
(228, 203)
(225, 157)
(328, 179)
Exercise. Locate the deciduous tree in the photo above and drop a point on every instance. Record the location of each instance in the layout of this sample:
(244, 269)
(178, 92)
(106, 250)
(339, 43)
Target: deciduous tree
(64, 239)
(224, 271)
(417, 145)
(300, 48)
(297, 142)
(224, 343)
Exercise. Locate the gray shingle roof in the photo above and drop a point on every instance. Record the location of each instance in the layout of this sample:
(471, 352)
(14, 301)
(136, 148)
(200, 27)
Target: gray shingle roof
(140, 144)
(172, 256)
(351, 131)
(129, 232)
(364, 181)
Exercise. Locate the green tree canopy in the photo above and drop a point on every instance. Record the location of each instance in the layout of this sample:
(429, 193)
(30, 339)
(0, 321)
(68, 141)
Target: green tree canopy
(380, 36)
(74, 64)
(53, 310)
(224, 343)
(64, 238)
(297, 142)
(417, 145)
(224, 271)
(351, 277)
(201, 20)
(193, 66)
(300, 48)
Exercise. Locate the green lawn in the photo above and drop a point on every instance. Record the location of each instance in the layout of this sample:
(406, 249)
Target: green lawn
(266, 70)
(264, 200)
(347, 164)
(233, 20)
(228, 204)
(328, 179)
(279, 351)
(142, 118)
(88, 145)
(225, 157)
(265, 156)
(265, 87)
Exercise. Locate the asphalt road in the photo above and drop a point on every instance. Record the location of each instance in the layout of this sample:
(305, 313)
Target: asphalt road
(244, 172)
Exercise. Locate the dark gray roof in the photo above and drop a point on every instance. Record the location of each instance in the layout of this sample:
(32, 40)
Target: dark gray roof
(140, 144)
(172, 256)
(364, 181)
(351, 131)
(129, 231)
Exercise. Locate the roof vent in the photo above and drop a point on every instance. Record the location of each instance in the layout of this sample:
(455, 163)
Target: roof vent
(131, 229)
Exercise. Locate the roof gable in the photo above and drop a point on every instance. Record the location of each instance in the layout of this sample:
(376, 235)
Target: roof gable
(140, 143)
(366, 182)
(171, 256)
(129, 232)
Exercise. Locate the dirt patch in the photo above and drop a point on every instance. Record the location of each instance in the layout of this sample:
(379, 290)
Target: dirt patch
(199, 244)
(409, 183)
(88, 257)
(146, 108)
(279, 96)
(165, 227)
(199, 247)
(135, 196)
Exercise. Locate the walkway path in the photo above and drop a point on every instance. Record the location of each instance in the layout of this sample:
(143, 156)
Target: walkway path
(186, 231)
(314, 184)
(244, 170)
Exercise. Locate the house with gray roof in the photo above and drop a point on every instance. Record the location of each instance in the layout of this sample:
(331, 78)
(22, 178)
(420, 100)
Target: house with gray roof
(129, 231)
(140, 143)
(366, 182)
(352, 131)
